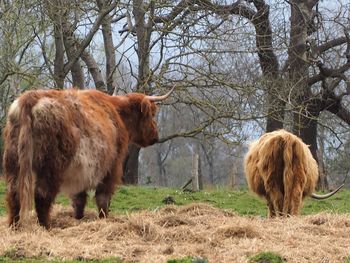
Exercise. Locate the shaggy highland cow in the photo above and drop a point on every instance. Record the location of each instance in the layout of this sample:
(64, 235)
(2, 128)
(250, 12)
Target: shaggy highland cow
(280, 167)
(71, 141)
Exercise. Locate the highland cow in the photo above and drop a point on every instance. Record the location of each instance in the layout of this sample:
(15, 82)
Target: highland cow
(71, 141)
(281, 168)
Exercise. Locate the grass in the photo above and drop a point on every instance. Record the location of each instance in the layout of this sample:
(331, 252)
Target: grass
(132, 198)
(108, 260)
(266, 257)
(243, 202)
(188, 260)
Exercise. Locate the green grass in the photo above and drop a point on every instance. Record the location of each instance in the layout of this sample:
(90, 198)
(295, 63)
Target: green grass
(347, 259)
(188, 260)
(6, 259)
(15, 256)
(131, 198)
(2, 197)
(267, 257)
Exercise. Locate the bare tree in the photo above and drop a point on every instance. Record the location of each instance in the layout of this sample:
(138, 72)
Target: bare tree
(240, 67)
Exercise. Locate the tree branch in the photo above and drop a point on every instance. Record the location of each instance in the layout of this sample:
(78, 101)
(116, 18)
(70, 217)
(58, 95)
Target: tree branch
(84, 44)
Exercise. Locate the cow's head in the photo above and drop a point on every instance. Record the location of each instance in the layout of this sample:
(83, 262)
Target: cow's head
(140, 117)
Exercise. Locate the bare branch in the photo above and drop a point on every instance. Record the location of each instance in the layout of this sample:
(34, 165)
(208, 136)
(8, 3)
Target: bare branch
(88, 38)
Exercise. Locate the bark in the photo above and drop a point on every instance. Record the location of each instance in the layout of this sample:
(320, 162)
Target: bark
(94, 70)
(56, 13)
(306, 113)
(307, 106)
(66, 42)
(322, 183)
(59, 57)
(200, 174)
(109, 49)
(269, 66)
(87, 40)
(71, 49)
(143, 34)
(162, 180)
(131, 165)
(211, 172)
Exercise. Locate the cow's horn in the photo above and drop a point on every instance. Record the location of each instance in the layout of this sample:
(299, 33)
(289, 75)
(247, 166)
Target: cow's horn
(320, 197)
(160, 98)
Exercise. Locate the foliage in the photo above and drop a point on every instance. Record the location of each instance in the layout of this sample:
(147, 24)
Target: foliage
(267, 257)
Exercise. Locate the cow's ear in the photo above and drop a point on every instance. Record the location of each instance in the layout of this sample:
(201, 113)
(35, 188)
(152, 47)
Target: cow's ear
(145, 107)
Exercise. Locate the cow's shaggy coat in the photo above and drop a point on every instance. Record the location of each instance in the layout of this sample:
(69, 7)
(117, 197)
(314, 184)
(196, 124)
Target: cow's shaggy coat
(70, 141)
(281, 168)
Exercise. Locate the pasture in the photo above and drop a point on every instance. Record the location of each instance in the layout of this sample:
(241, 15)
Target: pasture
(214, 225)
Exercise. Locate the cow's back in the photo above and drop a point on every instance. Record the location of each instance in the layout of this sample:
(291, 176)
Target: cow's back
(280, 167)
(264, 164)
(74, 136)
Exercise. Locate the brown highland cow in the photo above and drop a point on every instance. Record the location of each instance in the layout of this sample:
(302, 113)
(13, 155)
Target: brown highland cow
(280, 168)
(71, 141)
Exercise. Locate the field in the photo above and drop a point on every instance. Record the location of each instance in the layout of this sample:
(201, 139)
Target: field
(215, 225)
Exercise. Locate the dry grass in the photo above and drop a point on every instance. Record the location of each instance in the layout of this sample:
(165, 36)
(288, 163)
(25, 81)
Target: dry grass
(174, 232)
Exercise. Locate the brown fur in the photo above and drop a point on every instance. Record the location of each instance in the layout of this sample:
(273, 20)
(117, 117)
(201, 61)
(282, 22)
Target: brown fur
(70, 141)
(280, 167)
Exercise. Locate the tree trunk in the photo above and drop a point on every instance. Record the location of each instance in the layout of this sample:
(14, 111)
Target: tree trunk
(94, 71)
(307, 108)
(109, 49)
(131, 165)
(55, 12)
(200, 175)
(70, 46)
(275, 116)
(59, 58)
(308, 133)
(143, 34)
(305, 122)
(211, 171)
(322, 183)
(162, 179)
(269, 66)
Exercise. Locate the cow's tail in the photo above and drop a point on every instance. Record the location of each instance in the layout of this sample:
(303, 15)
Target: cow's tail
(288, 178)
(26, 178)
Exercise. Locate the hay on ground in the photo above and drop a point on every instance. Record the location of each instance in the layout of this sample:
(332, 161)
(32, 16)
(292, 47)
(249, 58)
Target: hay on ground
(196, 230)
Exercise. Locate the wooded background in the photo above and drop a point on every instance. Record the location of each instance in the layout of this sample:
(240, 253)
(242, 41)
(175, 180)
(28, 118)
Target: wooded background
(241, 68)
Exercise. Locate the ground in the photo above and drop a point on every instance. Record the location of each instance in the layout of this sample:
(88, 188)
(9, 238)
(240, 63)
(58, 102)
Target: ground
(195, 230)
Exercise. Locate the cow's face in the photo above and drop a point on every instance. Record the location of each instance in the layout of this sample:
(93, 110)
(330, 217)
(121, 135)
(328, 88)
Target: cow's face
(148, 134)
(138, 112)
(139, 117)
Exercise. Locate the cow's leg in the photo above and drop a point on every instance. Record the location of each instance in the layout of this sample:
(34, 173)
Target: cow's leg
(106, 188)
(45, 194)
(103, 197)
(79, 202)
(13, 205)
(11, 170)
(296, 201)
(276, 198)
(271, 212)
